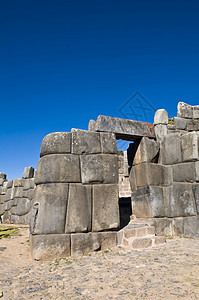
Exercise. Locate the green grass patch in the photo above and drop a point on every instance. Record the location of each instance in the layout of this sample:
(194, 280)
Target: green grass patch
(6, 232)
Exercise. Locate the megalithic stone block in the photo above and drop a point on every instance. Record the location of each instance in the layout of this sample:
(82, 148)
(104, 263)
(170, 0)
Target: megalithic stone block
(91, 125)
(132, 179)
(182, 200)
(185, 110)
(105, 214)
(58, 168)
(29, 184)
(171, 152)
(2, 210)
(85, 142)
(50, 246)
(82, 243)
(108, 143)
(190, 146)
(48, 213)
(23, 206)
(153, 174)
(147, 151)
(28, 172)
(184, 172)
(149, 202)
(196, 195)
(56, 143)
(78, 217)
(161, 117)
(99, 168)
(160, 132)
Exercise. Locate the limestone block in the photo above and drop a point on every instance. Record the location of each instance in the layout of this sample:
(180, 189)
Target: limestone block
(181, 123)
(28, 194)
(148, 202)
(161, 117)
(8, 204)
(99, 168)
(9, 184)
(14, 219)
(126, 165)
(9, 194)
(82, 243)
(18, 192)
(163, 226)
(28, 172)
(178, 226)
(108, 143)
(1, 199)
(1, 181)
(160, 132)
(182, 200)
(153, 174)
(196, 112)
(191, 227)
(56, 143)
(58, 168)
(23, 206)
(78, 217)
(2, 175)
(2, 210)
(147, 151)
(29, 184)
(196, 195)
(185, 110)
(132, 179)
(184, 172)
(51, 246)
(85, 142)
(192, 125)
(18, 182)
(171, 149)
(91, 125)
(48, 213)
(105, 207)
(190, 145)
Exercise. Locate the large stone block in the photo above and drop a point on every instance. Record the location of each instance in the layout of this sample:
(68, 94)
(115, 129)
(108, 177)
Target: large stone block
(56, 143)
(196, 195)
(18, 192)
(108, 143)
(58, 168)
(132, 180)
(28, 172)
(29, 184)
(99, 168)
(148, 202)
(51, 246)
(91, 125)
(190, 146)
(147, 151)
(85, 142)
(181, 123)
(48, 213)
(184, 172)
(163, 226)
(160, 132)
(196, 112)
(171, 149)
(8, 204)
(2, 210)
(23, 206)
(185, 110)
(3, 175)
(124, 129)
(78, 216)
(191, 227)
(82, 243)
(18, 182)
(153, 174)
(9, 194)
(161, 117)
(182, 200)
(105, 207)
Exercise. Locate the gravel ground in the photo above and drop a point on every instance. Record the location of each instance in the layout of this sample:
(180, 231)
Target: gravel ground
(168, 271)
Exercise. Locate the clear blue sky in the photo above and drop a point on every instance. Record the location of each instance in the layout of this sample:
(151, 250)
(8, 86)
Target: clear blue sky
(65, 62)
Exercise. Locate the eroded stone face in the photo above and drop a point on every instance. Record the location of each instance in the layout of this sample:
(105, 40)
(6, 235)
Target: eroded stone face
(56, 143)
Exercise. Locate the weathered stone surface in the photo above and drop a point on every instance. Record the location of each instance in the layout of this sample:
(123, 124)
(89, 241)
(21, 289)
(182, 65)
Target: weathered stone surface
(132, 179)
(178, 226)
(184, 172)
(9, 184)
(56, 143)
(23, 206)
(190, 146)
(91, 125)
(2, 210)
(196, 112)
(181, 123)
(108, 142)
(18, 192)
(99, 168)
(48, 213)
(126, 164)
(50, 246)
(192, 125)
(1, 181)
(161, 117)
(152, 174)
(14, 219)
(148, 202)
(185, 110)
(105, 207)
(85, 142)
(182, 200)
(18, 182)
(78, 217)
(171, 149)
(8, 204)
(141, 243)
(29, 184)
(28, 172)
(2, 175)
(9, 195)
(160, 132)
(147, 151)
(196, 195)
(163, 226)
(191, 227)
(58, 168)
(87, 242)
(124, 129)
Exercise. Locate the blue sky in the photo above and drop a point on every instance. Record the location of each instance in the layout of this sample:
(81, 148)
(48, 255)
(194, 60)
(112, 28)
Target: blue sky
(65, 62)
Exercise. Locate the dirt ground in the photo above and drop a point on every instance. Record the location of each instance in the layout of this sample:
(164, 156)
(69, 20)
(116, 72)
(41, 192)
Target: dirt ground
(168, 271)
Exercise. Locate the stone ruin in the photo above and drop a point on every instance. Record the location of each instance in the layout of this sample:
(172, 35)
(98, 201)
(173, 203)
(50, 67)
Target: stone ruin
(86, 190)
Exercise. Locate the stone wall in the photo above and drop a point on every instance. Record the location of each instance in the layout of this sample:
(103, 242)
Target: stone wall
(16, 197)
(166, 172)
(75, 207)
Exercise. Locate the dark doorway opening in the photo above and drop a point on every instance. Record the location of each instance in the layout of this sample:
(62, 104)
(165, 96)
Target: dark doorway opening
(125, 209)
